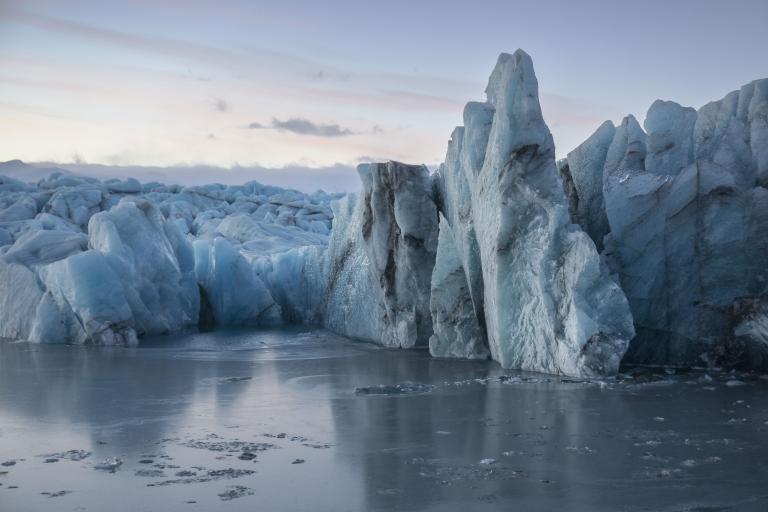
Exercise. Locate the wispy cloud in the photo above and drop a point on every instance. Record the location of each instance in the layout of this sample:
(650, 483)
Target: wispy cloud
(301, 126)
(220, 105)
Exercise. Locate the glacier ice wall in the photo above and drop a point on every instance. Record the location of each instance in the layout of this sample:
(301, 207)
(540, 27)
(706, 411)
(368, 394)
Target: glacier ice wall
(548, 302)
(659, 229)
(379, 262)
(687, 209)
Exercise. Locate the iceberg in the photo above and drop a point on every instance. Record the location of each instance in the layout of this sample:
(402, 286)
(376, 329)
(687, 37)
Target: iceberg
(380, 258)
(232, 289)
(549, 303)
(688, 219)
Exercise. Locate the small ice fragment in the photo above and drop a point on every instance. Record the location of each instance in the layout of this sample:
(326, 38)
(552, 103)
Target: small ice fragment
(442, 432)
(658, 418)
(688, 463)
(488, 462)
(734, 383)
(109, 464)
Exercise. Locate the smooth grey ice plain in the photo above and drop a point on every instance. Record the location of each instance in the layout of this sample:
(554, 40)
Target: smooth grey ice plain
(306, 420)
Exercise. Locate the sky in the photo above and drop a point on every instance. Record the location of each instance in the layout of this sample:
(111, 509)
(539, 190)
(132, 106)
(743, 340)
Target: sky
(318, 85)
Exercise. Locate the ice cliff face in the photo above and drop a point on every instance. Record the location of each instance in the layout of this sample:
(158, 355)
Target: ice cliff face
(687, 210)
(379, 262)
(548, 304)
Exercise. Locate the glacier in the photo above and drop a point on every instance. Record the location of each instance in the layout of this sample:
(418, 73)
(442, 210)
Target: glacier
(645, 245)
(687, 210)
(83, 261)
(549, 302)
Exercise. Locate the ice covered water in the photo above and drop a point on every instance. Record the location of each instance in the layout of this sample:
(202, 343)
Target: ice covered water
(205, 421)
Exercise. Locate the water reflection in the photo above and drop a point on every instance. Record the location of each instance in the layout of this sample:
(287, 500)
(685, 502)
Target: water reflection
(470, 439)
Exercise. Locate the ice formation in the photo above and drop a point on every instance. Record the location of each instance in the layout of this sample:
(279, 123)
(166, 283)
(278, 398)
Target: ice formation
(502, 253)
(83, 261)
(687, 210)
(378, 267)
(457, 329)
(549, 303)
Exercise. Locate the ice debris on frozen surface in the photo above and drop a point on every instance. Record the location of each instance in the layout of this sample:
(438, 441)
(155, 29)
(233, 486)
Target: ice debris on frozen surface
(406, 388)
(109, 464)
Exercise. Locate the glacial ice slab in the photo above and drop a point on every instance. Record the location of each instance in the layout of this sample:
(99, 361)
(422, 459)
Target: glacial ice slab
(380, 258)
(233, 294)
(688, 224)
(154, 262)
(457, 331)
(549, 304)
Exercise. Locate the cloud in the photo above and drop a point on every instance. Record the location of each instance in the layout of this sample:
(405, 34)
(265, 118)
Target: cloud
(301, 126)
(220, 105)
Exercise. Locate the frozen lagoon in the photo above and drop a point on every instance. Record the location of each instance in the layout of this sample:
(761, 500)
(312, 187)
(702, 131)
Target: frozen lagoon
(306, 420)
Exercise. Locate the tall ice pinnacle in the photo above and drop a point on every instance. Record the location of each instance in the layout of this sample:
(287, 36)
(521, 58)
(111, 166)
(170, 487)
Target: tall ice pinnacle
(548, 302)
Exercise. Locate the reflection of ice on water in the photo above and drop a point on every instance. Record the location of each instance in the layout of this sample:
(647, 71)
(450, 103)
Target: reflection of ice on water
(202, 418)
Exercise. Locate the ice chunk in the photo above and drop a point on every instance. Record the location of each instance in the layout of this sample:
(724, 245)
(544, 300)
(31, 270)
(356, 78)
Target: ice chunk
(18, 300)
(399, 235)
(45, 246)
(670, 137)
(235, 293)
(584, 168)
(23, 209)
(85, 302)
(349, 304)
(549, 304)
(627, 150)
(76, 204)
(380, 257)
(154, 263)
(457, 331)
(127, 186)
